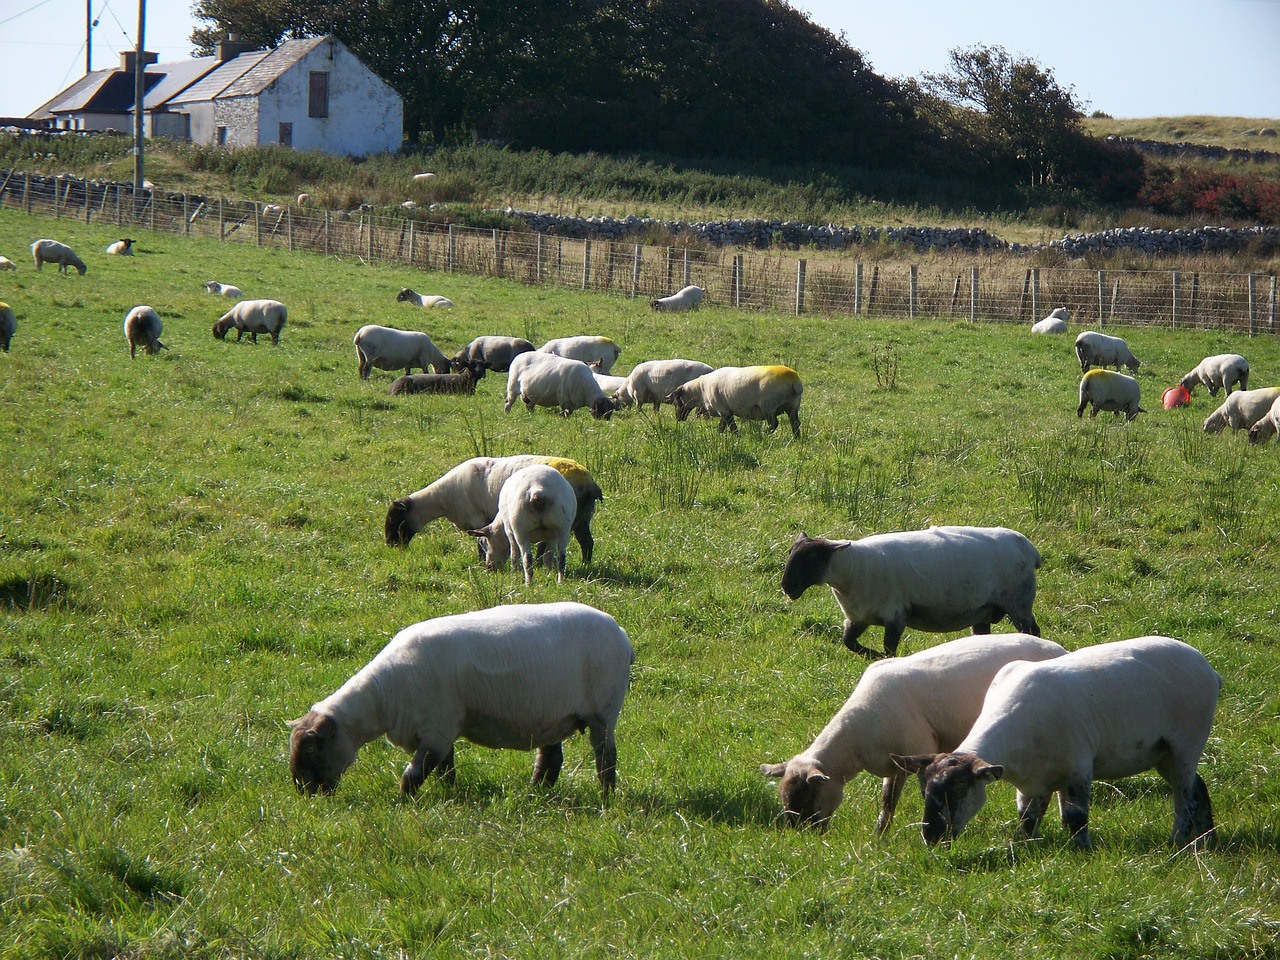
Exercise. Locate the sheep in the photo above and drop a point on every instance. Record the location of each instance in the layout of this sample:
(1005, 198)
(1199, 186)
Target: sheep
(1102, 712)
(463, 382)
(1107, 390)
(609, 385)
(937, 580)
(1099, 350)
(409, 205)
(408, 296)
(491, 353)
(142, 329)
(1055, 322)
(253, 317)
(535, 506)
(516, 677)
(303, 199)
(423, 176)
(51, 251)
(1224, 370)
(122, 248)
(546, 380)
(8, 326)
(467, 496)
(751, 393)
(654, 380)
(389, 349)
(1260, 432)
(273, 210)
(7, 264)
(600, 352)
(1241, 410)
(687, 298)
(924, 702)
(223, 289)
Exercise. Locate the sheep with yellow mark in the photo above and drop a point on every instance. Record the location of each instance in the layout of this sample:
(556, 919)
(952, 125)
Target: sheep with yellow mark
(748, 393)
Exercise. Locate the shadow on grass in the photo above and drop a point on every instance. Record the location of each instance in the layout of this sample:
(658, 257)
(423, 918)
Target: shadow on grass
(40, 591)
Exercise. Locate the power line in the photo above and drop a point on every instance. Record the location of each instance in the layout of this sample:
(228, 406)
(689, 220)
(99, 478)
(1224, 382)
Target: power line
(24, 12)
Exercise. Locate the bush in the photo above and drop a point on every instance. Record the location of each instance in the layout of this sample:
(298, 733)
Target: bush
(1211, 194)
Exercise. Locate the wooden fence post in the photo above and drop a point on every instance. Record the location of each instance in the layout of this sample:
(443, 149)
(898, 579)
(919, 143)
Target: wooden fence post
(57, 212)
(222, 234)
(1271, 320)
(875, 283)
(87, 208)
(257, 223)
(800, 274)
(913, 292)
(1036, 312)
(368, 238)
(1253, 304)
(586, 264)
(955, 294)
(537, 260)
(26, 193)
(973, 293)
(497, 253)
(635, 273)
(1102, 297)
(288, 226)
(451, 258)
(737, 280)
(1173, 317)
(857, 289)
(411, 241)
(1115, 298)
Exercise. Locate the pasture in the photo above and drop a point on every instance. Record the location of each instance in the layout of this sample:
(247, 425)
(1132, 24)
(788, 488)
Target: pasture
(191, 554)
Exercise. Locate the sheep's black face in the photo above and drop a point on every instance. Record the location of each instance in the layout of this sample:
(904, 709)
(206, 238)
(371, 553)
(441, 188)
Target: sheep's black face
(314, 760)
(683, 403)
(602, 409)
(398, 529)
(806, 564)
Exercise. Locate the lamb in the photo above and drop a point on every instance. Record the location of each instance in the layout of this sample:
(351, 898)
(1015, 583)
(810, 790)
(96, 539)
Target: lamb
(491, 353)
(1260, 432)
(600, 352)
(467, 496)
(389, 349)
(7, 264)
(517, 677)
(1105, 711)
(922, 703)
(1055, 322)
(535, 507)
(253, 317)
(8, 326)
(464, 382)
(1099, 350)
(223, 289)
(408, 296)
(1107, 390)
(142, 329)
(939, 579)
(1223, 370)
(546, 380)
(51, 251)
(122, 248)
(752, 393)
(687, 298)
(1241, 410)
(654, 380)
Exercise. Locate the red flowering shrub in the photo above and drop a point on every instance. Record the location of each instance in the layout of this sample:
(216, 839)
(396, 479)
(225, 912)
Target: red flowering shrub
(1211, 195)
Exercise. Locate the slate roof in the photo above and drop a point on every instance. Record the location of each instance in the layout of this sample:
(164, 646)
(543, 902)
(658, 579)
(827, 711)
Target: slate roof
(216, 81)
(271, 67)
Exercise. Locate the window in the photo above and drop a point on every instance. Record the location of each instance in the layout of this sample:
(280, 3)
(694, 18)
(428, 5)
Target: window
(222, 136)
(286, 134)
(318, 99)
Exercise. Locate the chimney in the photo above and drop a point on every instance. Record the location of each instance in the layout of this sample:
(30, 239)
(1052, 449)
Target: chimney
(129, 57)
(232, 47)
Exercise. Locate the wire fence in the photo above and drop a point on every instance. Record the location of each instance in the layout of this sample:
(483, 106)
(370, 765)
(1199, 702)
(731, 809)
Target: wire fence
(998, 290)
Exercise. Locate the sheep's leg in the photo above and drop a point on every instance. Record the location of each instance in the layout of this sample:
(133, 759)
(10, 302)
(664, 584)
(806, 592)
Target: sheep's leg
(1192, 810)
(1030, 812)
(892, 634)
(415, 772)
(606, 751)
(981, 629)
(727, 423)
(583, 535)
(546, 768)
(890, 791)
(772, 421)
(527, 562)
(852, 631)
(1080, 409)
(1073, 803)
(794, 417)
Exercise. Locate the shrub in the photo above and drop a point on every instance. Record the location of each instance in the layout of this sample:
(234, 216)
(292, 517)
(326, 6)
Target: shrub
(1211, 194)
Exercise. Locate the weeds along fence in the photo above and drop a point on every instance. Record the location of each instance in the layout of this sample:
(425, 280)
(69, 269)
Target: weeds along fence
(1000, 289)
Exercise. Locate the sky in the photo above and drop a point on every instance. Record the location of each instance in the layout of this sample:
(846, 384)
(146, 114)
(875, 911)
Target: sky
(1128, 58)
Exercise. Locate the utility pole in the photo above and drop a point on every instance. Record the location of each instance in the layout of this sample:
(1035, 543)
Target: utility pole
(139, 93)
(88, 37)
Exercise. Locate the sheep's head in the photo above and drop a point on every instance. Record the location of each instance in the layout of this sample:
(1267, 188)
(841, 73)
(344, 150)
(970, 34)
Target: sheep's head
(318, 752)
(684, 400)
(494, 544)
(221, 327)
(954, 787)
(405, 294)
(81, 269)
(399, 526)
(602, 408)
(807, 563)
(809, 796)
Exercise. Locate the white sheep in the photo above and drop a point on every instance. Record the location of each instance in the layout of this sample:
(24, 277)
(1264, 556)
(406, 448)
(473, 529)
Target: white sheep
(686, 298)
(51, 251)
(1108, 390)
(1055, 322)
(1223, 370)
(937, 580)
(491, 353)
(7, 264)
(253, 317)
(1260, 432)
(749, 393)
(389, 349)
(924, 703)
(122, 248)
(547, 380)
(303, 199)
(467, 496)
(423, 176)
(609, 384)
(8, 326)
(536, 506)
(1095, 349)
(518, 677)
(1101, 712)
(600, 352)
(142, 328)
(654, 380)
(1241, 410)
(223, 289)
(422, 300)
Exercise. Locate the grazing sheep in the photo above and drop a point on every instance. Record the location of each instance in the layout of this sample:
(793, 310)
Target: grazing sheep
(1099, 350)
(751, 393)
(408, 296)
(122, 248)
(423, 176)
(303, 199)
(491, 353)
(1102, 712)
(7, 264)
(253, 317)
(1260, 432)
(1107, 390)
(389, 349)
(535, 507)
(467, 496)
(546, 380)
(8, 326)
(687, 298)
(464, 382)
(1055, 322)
(273, 210)
(142, 329)
(608, 384)
(654, 380)
(937, 580)
(518, 677)
(923, 703)
(1241, 410)
(1224, 370)
(51, 251)
(600, 352)
(223, 289)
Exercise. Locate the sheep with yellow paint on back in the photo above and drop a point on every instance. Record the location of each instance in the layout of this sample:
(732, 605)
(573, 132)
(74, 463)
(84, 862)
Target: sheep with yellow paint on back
(747, 393)
(1109, 391)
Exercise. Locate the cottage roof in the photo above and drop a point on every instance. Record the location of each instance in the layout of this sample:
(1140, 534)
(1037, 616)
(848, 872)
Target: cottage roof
(213, 83)
(271, 67)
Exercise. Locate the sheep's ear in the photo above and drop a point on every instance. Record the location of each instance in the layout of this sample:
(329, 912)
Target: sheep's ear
(802, 535)
(775, 770)
(291, 724)
(913, 764)
(988, 771)
(478, 534)
(817, 776)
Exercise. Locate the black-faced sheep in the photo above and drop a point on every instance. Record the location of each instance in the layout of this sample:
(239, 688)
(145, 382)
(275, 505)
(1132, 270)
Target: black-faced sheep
(491, 353)
(536, 506)
(253, 317)
(122, 248)
(1221, 371)
(8, 326)
(422, 300)
(547, 380)
(142, 328)
(464, 382)
(1241, 410)
(1095, 349)
(223, 289)
(1107, 390)
(748, 393)
(51, 251)
(389, 349)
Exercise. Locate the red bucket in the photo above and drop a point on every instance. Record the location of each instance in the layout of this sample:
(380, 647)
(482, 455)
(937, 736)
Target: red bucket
(1176, 396)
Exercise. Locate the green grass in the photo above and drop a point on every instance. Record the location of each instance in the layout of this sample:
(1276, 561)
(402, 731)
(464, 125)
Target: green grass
(191, 554)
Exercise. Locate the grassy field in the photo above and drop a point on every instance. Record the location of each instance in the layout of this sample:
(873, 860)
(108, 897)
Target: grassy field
(191, 553)
(1240, 133)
